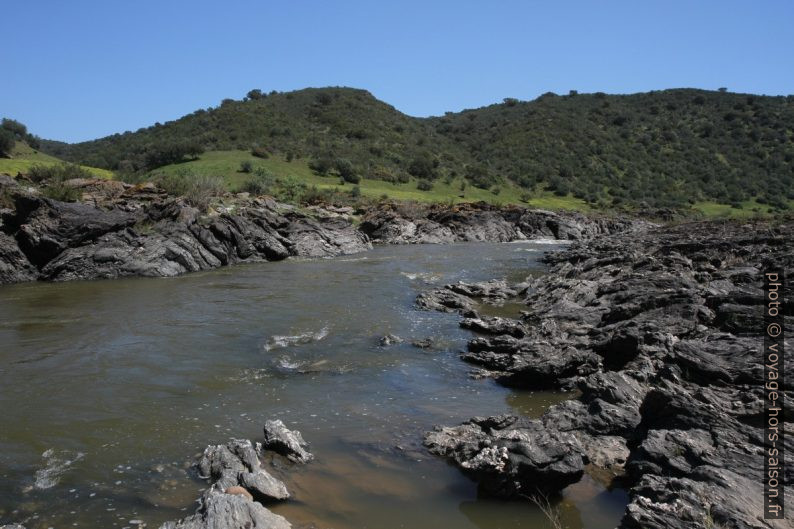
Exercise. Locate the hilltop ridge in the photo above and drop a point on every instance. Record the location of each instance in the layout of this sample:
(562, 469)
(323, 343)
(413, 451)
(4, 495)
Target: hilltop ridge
(668, 148)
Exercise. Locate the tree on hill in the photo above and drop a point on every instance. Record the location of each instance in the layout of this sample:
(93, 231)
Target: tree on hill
(15, 127)
(7, 142)
(12, 130)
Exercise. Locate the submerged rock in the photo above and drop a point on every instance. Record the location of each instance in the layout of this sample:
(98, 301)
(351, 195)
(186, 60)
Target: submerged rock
(389, 339)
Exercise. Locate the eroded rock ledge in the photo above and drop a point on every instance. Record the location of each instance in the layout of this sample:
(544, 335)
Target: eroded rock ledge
(119, 230)
(660, 332)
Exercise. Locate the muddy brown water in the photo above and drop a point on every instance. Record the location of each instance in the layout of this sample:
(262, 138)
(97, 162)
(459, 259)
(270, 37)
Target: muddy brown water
(108, 390)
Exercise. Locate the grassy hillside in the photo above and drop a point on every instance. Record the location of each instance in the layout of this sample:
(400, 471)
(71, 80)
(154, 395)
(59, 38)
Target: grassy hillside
(674, 148)
(23, 158)
(227, 164)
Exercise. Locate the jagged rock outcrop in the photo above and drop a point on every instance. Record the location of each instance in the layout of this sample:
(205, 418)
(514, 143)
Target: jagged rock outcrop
(218, 510)
(240, 486)
(120, 230)
(138, 232)
(236, 464)
(410, 224)
(286, 442)
(511, 456)
(660, 332)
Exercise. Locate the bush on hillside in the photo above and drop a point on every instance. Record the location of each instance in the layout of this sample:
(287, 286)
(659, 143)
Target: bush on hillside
(263, 182)
(346, 170)
(260, 152)
(58, 190)
(322, 166)
(7, 142)
(168, 153)
(424, 185)
(480, 176)
(198, 190)
(423, 167)
(58, 172)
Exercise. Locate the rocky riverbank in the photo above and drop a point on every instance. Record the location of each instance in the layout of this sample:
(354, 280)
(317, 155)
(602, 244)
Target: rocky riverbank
(659, 332)
(120, 230)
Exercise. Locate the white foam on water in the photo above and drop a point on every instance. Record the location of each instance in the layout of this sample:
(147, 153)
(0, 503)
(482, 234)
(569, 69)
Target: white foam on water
(55, 464)
(427, 277)
(278, 342)
(285, 362)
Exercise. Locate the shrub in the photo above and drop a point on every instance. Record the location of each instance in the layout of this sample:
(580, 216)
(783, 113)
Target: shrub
(346, 170)
(260, 152)
(424, 185)
(321, 166)
(58, 190)
(168, 153)
(58, 172)
(245, 166)
(313, 195)
(355, 192)
(480, 176)
(198, 190)
(290, 189)
(262, 183)
(422, 167)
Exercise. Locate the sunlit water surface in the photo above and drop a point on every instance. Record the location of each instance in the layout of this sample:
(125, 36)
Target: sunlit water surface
(109, 389)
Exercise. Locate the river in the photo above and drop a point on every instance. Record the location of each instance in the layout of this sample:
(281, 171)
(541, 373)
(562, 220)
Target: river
(108, 389)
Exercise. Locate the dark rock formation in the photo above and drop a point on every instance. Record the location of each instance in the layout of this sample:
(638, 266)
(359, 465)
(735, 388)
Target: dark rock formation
(240, 486)
(660, 331)
(121, 230)
(236, 463)
(409, 224)
(511, 456)
(218, 510)
(289, 443)
(136, 232)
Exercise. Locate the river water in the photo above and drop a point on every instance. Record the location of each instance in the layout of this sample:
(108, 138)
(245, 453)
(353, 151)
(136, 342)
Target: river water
(109, 389)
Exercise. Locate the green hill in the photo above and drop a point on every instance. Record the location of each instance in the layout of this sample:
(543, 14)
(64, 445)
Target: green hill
(717, 152)
(23, 158)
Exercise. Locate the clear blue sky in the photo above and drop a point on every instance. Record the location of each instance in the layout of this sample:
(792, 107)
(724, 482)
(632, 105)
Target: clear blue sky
(76, 70)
